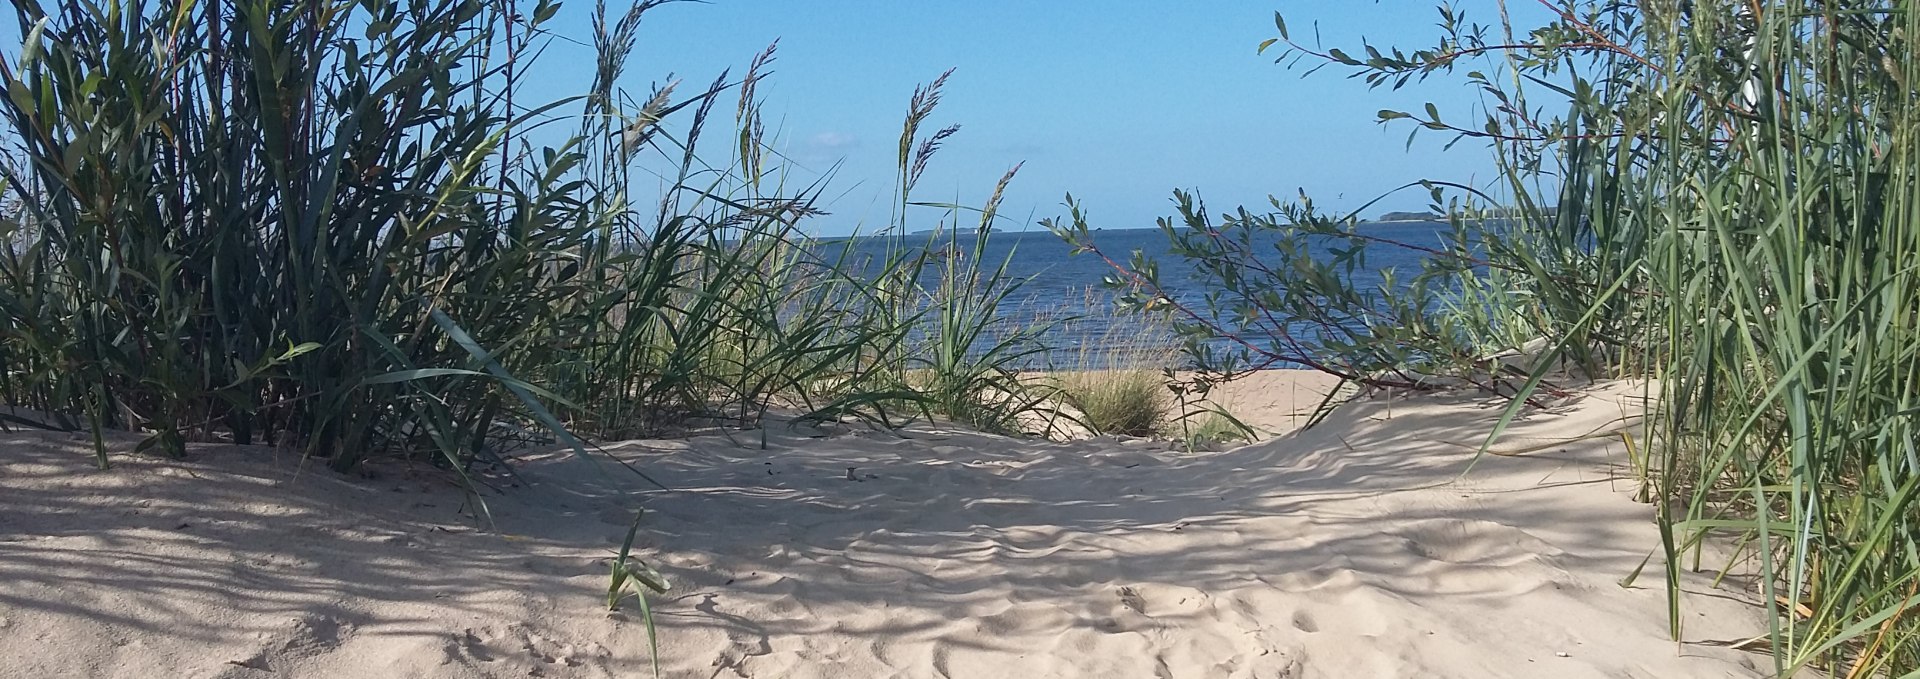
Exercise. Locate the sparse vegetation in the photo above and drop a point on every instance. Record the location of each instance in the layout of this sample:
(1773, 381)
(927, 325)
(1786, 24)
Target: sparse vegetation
(1128, 401)
(1130, 381)
(1208, 428)
(1114, 383)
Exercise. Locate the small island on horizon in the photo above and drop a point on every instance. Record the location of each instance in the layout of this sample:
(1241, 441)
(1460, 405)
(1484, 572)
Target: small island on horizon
(1409, 217)
(964, 231)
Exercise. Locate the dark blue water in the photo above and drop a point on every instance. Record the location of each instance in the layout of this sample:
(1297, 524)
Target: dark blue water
(1065, 291)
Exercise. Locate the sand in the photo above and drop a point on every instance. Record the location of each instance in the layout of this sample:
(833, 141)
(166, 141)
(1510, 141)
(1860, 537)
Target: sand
(1274, 402)
(1353, 549)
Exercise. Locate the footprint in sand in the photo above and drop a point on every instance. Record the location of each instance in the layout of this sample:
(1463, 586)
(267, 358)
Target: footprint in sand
(305, 636)
(1132, 600)
(314, 632)
(520, 645)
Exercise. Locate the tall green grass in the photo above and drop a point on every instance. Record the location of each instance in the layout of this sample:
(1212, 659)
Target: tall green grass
(1720, 195)
(332, 226)
(1784, 261)
(1734, 214)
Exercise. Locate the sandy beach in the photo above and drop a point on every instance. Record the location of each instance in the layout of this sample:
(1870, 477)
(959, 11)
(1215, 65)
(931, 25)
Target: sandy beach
(891, 330)
(1354, 549)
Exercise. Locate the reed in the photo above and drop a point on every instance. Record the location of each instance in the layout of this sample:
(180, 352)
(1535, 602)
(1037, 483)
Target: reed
(1736, 202)
(1720, 195)
(1783, 249)
(330, 227)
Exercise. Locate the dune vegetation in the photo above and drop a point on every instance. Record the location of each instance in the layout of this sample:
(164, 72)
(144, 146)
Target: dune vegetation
(1717, 195)
(333, 228)
(342, 229)
(1129, 380)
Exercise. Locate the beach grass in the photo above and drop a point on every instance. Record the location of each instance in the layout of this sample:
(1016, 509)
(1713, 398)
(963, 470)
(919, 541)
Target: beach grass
(1756, 253)
(1721, 200)
(365, 253)
(1131, 402)
(1116, 381)
(342, 230)
(345, 231)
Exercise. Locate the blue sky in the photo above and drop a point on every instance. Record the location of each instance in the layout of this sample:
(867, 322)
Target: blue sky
(1117, 101)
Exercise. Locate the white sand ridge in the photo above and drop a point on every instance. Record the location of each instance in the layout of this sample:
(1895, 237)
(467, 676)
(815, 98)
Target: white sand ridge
(1352, 550)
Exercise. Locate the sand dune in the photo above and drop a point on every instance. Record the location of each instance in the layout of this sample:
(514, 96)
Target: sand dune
(1350, 550)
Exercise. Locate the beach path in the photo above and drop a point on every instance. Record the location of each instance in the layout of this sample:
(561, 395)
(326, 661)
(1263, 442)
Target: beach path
(1354, 549)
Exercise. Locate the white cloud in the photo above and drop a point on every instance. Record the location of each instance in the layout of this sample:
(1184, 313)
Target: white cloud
(832, 141)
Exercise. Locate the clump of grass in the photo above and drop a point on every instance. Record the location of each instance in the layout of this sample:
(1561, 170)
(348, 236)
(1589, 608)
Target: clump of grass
(1117, 382)
(961, 354)
(1127, 380)
(1130, 402)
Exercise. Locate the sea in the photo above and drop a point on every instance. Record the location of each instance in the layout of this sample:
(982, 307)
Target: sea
(1064, 292)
